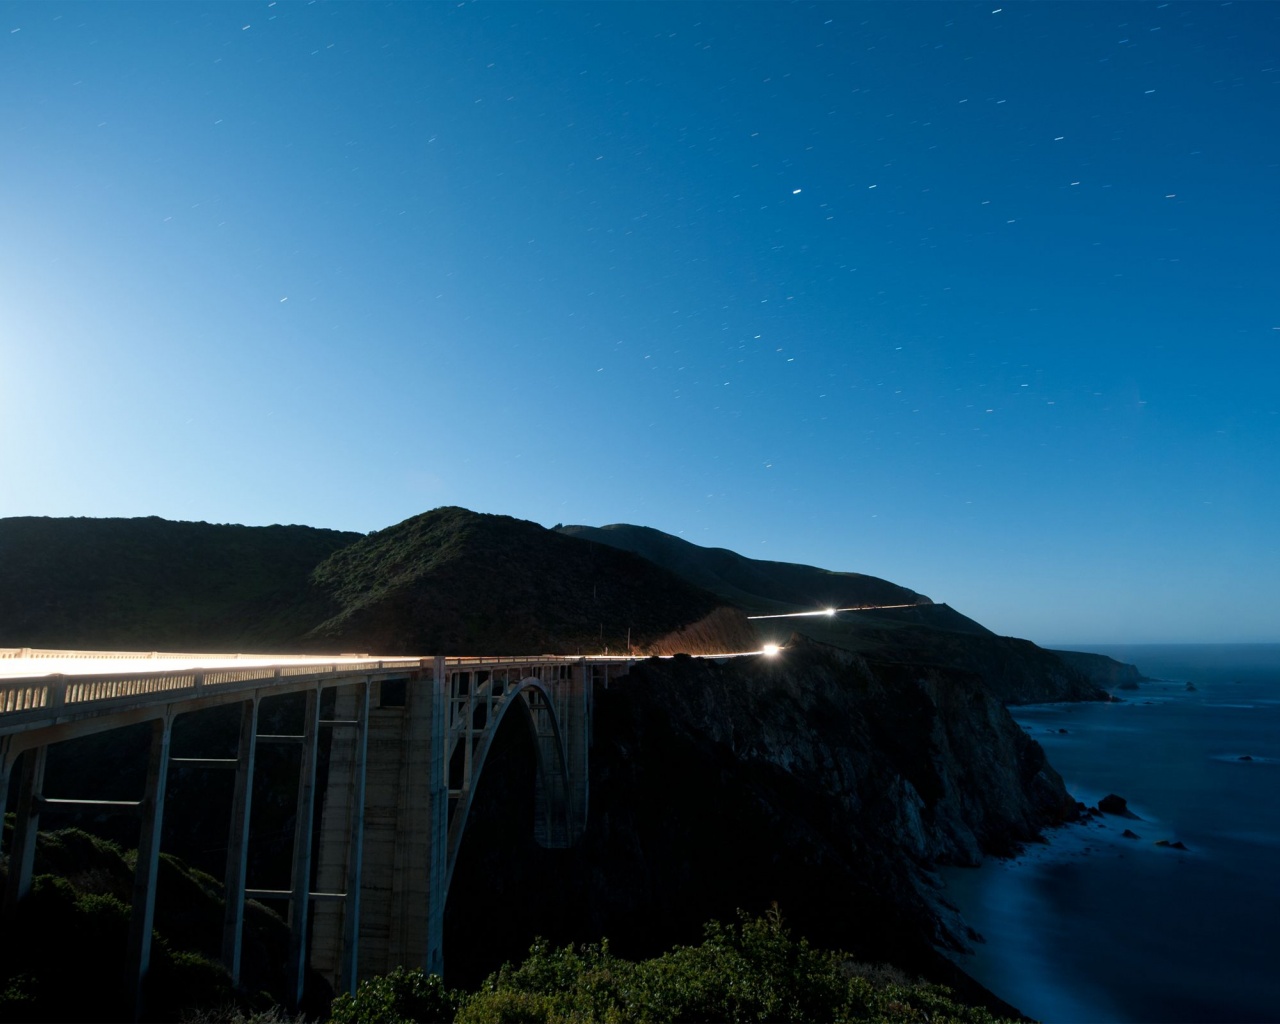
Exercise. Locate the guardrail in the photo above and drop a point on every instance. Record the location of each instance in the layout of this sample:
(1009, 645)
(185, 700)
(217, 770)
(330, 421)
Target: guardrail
(36, 701)
(36, 653)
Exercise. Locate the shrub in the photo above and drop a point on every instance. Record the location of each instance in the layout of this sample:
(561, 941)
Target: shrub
(752, 971)
(401, 997)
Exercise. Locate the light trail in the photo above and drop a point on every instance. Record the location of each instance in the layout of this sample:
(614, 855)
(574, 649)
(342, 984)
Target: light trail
(828, 612)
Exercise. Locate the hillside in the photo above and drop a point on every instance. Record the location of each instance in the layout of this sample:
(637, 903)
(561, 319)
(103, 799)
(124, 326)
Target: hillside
(754, 585)
(451, 581)
(151, 584)
(924, 634)
(446, 582)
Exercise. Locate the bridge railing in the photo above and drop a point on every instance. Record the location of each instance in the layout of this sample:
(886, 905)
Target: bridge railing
(33, 701)
(41, 654)
(23, 695)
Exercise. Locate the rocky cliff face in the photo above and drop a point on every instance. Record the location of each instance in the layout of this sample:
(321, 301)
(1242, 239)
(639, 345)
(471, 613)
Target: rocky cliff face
(1016, 671)
(1102, 670)
(818, 779)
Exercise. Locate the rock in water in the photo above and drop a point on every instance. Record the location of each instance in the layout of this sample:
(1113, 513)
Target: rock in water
(1118, 805)
(1129, 834)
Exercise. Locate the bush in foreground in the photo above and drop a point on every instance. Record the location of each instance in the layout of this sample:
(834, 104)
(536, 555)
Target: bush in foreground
(752, 971)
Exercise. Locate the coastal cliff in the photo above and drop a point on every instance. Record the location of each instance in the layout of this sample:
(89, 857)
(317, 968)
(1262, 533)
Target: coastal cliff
(1103, 670)
(821, 780)
(901, 626)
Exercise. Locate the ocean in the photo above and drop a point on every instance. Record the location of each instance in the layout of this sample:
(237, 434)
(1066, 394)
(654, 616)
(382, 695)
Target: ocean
(1093, 926)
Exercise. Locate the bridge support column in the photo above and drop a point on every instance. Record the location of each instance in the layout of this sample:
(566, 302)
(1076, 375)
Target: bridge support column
(300, 886)
(238, 840)
(22, 851)
(577, 729)
(6, 766)
(437, 872)
(355, 852)
(393, 912)
(421, 814)
(340, 859)
(145, 871)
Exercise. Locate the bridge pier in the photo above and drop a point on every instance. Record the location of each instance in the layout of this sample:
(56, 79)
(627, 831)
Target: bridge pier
(142, 917)
(238, 840)
(300, 877)
(22, 849)
(426, 749)
(6, 768)
(349, 972)
(382, 833)
(340, 858)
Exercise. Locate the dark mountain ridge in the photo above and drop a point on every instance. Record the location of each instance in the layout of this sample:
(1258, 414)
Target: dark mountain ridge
(153, 584)
(749, 583)
(451, 581)
(923, 634)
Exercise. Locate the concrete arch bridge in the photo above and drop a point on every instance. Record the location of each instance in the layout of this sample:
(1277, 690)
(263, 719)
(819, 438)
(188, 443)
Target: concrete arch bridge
(375, 841)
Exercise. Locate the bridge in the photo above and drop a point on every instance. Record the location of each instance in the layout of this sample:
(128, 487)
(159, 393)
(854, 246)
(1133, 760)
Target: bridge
(374, 852)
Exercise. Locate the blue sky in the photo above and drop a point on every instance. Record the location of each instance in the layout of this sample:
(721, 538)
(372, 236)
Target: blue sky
(980, 299)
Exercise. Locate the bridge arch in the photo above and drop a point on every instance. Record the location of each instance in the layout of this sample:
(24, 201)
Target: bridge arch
(532, 701)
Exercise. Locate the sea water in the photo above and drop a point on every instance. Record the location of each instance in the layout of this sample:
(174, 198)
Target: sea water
(1093, 926)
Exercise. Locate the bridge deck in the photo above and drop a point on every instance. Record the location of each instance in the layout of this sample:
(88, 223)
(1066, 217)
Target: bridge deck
(88, 691)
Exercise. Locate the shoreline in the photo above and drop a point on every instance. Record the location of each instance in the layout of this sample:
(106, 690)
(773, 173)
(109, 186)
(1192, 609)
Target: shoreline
(1003, 901)
(1092, 926)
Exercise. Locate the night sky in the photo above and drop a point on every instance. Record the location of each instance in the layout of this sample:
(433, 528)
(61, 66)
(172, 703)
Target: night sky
(984, 300)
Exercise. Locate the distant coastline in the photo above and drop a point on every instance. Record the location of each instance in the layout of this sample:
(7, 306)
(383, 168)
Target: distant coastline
(1094, 926)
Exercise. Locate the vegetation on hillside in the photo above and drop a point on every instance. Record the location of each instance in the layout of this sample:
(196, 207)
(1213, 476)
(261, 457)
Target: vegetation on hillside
(63, 957)
(151, 584)
(751, 583)
(78, 913)
(451, 581)
(752, 971)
